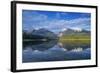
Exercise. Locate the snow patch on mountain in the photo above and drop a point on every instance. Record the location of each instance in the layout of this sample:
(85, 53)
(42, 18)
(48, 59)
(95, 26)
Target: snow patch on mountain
(77, 29)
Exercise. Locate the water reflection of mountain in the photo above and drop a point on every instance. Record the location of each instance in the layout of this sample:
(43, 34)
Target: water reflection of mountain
(70, 46)
(50, 51)
(40, 45)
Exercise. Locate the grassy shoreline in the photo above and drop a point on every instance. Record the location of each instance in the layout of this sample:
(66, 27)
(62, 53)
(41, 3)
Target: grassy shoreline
(75, 39)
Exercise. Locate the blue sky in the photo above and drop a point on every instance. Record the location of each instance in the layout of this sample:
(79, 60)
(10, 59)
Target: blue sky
(55, 21)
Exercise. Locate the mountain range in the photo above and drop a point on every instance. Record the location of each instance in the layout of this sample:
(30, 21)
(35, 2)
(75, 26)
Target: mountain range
(46, 34)
(39, 34)
(73, 31)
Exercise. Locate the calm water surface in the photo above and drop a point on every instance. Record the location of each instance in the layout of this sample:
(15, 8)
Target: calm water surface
(54, 51)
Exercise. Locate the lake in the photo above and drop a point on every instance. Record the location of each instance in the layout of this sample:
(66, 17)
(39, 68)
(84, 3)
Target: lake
(53, 50)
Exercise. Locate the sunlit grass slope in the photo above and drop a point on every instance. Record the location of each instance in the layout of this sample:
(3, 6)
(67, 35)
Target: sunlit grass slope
(75, 39)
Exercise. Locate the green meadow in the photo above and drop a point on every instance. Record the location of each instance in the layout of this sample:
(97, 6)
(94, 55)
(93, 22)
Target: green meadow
(75, 39)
